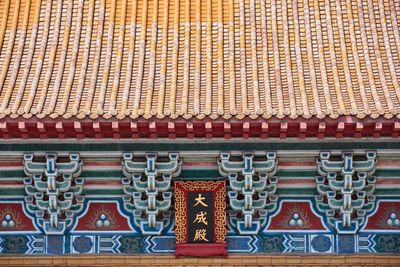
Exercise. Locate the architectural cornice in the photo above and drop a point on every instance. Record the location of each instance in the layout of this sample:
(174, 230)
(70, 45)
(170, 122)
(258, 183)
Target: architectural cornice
(273, 128)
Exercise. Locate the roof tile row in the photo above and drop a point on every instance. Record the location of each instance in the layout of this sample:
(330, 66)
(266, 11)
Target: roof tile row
(199, 58)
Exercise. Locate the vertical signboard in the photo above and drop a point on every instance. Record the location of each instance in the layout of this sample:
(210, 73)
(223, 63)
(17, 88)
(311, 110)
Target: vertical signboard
(200, 218)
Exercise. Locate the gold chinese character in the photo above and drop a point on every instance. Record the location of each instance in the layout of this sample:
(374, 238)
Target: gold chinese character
(200, 235)
(199, 200)
(201, 218)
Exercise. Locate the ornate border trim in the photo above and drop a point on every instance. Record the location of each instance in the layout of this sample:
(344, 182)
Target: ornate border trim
(218, 188)
(263, 260)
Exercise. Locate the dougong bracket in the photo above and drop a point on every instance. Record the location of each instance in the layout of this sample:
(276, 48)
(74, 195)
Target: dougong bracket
(53, 191)
(346, 189)
(147, 185)
(252, 188)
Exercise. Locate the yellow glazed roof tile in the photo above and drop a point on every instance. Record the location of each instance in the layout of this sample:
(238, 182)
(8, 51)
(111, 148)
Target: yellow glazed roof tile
(199, 58)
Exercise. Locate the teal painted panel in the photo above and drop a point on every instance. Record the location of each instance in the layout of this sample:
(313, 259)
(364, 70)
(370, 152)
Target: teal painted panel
(13, 191)
(102, 173)
(103, 191)
(297, 191)
(200, 173)
(387, 173)
(296, 173)
(12, 174)
(389, 191)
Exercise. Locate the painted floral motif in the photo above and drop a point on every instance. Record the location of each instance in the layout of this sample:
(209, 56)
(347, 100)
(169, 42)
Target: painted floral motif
(14, 245)
(388, 243)
(131, 244)
(83, 244)
(321, 243)
(10, 220)
(296, 218)
(271, 243)
(102, 219)
(390, 217)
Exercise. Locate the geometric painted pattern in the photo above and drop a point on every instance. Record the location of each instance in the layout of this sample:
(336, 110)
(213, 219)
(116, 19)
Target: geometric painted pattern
(102, 224)
(269, 240)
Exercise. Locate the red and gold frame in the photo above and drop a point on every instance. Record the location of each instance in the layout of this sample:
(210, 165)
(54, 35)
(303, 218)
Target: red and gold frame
(218, 247)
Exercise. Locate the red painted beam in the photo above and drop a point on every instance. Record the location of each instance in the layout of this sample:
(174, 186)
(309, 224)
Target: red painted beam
(153, 130)
(264, 130)
(395, 129)
(246, 130)
(190, 130)
(134, 130)
(342, 127)
(78, 130)
(171, 130)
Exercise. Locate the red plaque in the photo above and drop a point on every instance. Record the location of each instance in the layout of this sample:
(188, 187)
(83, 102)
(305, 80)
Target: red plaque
(200, 218)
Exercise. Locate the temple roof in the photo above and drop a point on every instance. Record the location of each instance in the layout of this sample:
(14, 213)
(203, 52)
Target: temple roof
(199, 58)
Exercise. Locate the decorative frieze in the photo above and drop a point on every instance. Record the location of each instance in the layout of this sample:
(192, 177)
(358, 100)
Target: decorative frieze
(53, 191)
(346, 189)
(296, 222)
(251, 190)
(147, 188)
